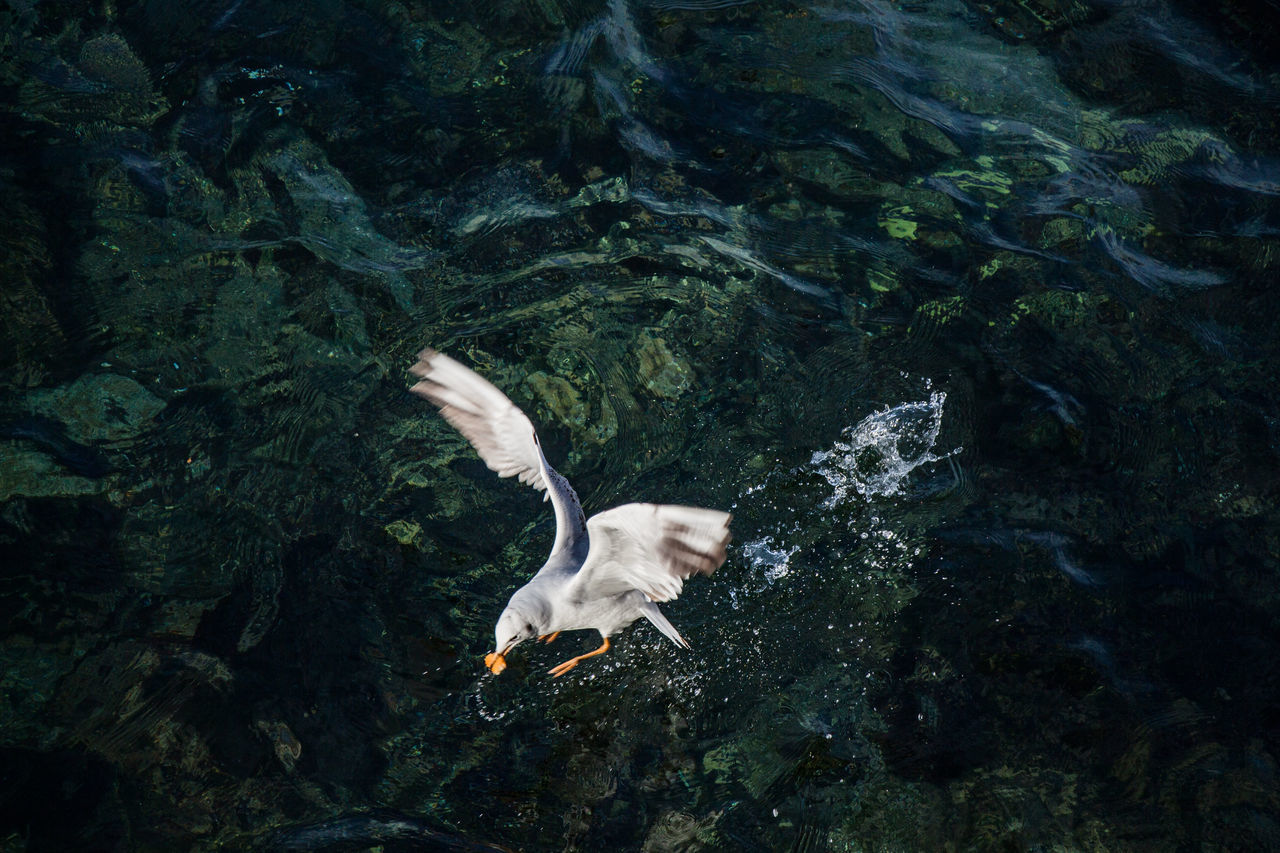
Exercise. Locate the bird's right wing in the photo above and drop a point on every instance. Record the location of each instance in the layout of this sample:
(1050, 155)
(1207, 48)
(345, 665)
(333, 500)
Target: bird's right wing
(650, 547)
(501, 434)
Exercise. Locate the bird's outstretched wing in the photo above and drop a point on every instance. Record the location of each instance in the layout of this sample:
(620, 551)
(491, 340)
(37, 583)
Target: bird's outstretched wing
(650, 547)
(501, 434)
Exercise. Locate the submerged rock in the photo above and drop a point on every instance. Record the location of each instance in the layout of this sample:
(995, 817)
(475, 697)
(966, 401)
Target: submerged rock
(106, 82)
(100, 407)
(28, 472)
(558, 394)
(405, 532)
(662, 373)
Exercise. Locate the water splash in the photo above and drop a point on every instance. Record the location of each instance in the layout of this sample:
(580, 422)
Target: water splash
(773, 557)
(880, 451)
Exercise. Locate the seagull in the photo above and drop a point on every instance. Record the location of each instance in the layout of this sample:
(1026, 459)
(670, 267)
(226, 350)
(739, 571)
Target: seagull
(604, 572)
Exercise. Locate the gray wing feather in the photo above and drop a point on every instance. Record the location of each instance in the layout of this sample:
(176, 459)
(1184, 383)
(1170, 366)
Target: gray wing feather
(651, 547)
(502, 435)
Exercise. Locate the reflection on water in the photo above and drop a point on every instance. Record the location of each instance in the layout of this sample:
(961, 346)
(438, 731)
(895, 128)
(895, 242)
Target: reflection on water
(964, 309)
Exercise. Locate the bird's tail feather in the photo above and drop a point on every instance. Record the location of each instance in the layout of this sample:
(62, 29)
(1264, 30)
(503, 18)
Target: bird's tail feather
(654, 615)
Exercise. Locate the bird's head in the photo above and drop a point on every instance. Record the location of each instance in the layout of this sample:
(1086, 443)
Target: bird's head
(518, 622)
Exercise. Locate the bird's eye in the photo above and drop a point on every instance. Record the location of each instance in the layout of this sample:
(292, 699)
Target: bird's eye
(528, 629)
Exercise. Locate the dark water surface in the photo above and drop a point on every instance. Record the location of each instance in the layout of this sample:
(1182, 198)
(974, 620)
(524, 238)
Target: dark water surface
(968, 312)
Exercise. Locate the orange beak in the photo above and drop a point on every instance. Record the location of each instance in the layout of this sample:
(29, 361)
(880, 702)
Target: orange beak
(496, 662)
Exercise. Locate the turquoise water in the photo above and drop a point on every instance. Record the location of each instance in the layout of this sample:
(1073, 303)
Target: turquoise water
(965, 310)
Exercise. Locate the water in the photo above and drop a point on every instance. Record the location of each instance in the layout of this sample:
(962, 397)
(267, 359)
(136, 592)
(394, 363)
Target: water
(964, 310)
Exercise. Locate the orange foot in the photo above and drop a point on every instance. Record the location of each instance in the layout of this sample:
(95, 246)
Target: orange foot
(560, 670)
(549, 638)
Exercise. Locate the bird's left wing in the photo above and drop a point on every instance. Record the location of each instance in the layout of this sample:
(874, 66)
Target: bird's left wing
(650, 547)
(501, 434)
